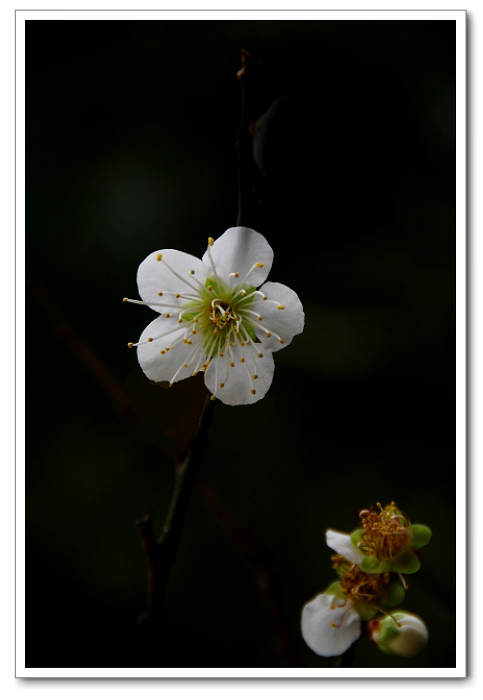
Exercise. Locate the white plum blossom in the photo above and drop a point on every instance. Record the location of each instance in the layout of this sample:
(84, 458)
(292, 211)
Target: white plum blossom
(214, 319)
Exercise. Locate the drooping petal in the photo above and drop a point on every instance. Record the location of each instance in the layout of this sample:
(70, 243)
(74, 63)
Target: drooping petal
(162, 366)
(237, 251)
(341, 543)
(327, 628)
(284, 322)
(246, 381)
(169, 271)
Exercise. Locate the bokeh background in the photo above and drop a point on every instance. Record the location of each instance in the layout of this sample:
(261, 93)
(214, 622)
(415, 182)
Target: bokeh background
(130, 147)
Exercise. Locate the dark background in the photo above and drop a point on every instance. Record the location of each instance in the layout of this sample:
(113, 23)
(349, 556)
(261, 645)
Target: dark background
(130, 147)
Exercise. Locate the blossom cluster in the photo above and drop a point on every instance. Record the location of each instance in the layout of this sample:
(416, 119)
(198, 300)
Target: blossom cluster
(371, 563)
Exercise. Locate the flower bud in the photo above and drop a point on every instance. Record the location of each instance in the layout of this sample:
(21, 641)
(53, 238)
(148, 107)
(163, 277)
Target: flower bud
(401, 633)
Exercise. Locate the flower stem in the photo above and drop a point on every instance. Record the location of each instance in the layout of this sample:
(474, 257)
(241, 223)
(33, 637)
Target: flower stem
(161, 553)
(249, 78)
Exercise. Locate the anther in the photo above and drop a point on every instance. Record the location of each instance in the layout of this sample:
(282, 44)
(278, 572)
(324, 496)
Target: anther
(213, 398)
(130, 345)
(232, 364)
(255, 376)
(125, 299)
(159, 257)
(210, 241)
(253, 391)
(177, 296)
(258, 264)
(221, 385)
(222, 354)
(242, 359)
(192, 272)
(162, 352)
(269, 335)
(260, 354)
(279, 306)
(194, 333)
(150, 340)
(167, 315)
(209, 288)
(160, 294)
(281, 341)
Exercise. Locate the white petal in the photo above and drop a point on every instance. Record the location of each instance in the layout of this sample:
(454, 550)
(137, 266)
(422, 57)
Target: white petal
(413, 636)
(154, 276)
(162, 368)
(237, 250)
(342, 544)
(238, 380)
(285, 322)
(319, 614)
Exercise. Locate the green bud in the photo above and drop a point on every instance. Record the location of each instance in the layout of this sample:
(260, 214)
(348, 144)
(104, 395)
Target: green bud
(402, 633)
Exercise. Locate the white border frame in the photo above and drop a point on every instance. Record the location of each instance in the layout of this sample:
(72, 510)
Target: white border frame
(461, 307)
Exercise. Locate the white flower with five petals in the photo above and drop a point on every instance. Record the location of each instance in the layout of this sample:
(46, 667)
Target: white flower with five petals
(214, 319)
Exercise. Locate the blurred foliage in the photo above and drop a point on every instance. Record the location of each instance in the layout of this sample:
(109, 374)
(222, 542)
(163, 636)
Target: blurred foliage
(130, 135)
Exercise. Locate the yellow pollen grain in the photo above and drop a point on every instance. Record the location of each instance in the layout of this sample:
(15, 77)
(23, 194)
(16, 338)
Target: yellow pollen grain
(259, 264)
(159, 257)
(253, 391)
(210, 241)
(280, 306)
